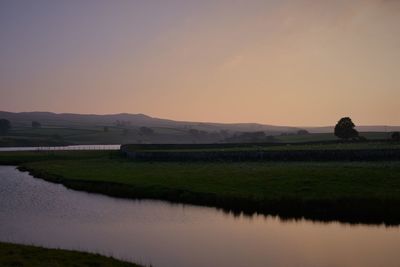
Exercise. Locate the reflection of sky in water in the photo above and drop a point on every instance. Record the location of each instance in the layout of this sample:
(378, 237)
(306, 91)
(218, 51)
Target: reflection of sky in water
(163, 234)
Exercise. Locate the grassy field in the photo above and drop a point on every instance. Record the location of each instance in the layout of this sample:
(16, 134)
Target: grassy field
(252, 180)
(321, 137)
(56, 136)
(347, 191)
(12, 255)
(53, 134)
(26, 136)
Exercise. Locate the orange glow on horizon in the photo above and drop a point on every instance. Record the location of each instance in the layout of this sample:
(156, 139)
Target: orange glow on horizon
(300, 63)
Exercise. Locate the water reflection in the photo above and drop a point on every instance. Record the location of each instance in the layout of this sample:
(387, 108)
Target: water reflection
(312, 219)
(164, 234)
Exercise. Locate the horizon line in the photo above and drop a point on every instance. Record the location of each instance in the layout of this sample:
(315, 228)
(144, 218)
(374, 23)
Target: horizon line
(188, 121)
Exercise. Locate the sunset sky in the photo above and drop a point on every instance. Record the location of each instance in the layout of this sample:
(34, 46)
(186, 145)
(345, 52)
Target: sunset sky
(283, 62)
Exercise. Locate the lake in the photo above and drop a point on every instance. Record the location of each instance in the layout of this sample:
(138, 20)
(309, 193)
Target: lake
(33, 211)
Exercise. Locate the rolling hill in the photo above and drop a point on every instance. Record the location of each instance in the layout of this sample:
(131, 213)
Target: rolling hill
(68, 128)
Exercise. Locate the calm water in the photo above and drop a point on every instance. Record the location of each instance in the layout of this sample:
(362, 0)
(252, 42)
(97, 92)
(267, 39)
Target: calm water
(33, 211)
(76, 147)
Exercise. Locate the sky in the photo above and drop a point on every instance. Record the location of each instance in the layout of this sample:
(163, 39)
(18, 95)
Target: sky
(282, 62)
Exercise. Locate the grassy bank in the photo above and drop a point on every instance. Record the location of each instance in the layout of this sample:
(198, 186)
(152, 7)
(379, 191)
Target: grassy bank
(350, 192)
(12, 255)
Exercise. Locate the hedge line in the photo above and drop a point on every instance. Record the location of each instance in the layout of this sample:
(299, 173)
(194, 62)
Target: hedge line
(282, 155)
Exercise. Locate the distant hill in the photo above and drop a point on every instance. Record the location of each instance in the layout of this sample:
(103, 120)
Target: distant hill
(68, 128)
(62, 119)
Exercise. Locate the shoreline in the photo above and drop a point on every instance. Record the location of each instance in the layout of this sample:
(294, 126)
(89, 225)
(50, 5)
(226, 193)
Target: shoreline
(346, 210)
(14, 254)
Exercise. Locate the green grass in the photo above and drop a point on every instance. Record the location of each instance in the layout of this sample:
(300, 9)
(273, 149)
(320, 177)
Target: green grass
(252, 180)
(12, 255)
(347, 191)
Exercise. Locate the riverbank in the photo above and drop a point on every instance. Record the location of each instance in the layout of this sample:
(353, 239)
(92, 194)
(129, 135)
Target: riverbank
(355, 192)
(31, 256)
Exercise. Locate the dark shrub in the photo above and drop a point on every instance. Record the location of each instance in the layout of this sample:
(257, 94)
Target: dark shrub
(344, 129)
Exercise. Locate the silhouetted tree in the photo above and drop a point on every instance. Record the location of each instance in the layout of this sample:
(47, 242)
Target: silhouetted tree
(36, 124)
(396, 136)
(5, 126)
(344, 129)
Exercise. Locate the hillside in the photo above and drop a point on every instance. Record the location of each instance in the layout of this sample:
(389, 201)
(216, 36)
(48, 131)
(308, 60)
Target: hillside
(62, 119)
(67, 128)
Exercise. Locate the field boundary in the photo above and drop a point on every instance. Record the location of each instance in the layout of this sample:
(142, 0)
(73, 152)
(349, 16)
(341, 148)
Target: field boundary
(262, 155)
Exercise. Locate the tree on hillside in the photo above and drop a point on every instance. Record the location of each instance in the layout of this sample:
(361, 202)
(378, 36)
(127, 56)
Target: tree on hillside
(5, 126)
(396, 136)
(345, 129)
(36, 124)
